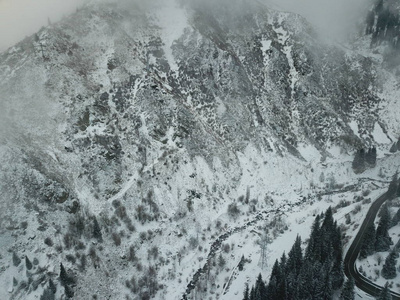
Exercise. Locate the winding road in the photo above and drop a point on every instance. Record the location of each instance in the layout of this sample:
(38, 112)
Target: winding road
(350, 268)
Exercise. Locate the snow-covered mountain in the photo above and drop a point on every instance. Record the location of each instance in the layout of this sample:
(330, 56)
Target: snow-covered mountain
(135, 136)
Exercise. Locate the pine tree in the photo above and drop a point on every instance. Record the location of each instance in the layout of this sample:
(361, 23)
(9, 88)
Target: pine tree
(389, 267)
(392, 190)
(28, 263)
(274, 281)
(221, 261)
(260, 289)
(337, 273)
(398, 189)
(328, 219)
(246, 294)
(370, 157)
(385, 293)
(396, 218)
(295, 257)
(327, 290)
(316, 275)
(368, 242)
(318, 280)
(359, 161)
(348, 290)
(16, 260)
(313, 247)
(52, 286)
(252, 293)
(47, 295)
(64, 277)
(382, 239)
(305, 281)
(241, 263)
(282, 287)
(96, 231)
(393, 149)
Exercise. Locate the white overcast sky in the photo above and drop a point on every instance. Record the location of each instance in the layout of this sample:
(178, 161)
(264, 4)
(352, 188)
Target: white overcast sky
(335, 18)
(20, 18)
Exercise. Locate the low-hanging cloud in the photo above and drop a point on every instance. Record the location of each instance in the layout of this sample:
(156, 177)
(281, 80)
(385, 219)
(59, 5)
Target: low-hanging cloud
(20, 18)
(335, 19)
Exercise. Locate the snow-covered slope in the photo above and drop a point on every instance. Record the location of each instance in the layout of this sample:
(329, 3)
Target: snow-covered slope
(134, 137)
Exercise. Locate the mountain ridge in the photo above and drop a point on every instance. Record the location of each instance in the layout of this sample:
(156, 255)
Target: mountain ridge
(108, 117)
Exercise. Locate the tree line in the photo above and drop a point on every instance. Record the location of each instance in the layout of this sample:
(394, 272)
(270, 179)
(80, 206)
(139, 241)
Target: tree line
(364, 159)
(314, 274)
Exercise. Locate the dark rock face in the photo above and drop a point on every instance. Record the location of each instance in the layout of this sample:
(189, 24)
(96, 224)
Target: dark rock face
(383, 23)
(383, 26)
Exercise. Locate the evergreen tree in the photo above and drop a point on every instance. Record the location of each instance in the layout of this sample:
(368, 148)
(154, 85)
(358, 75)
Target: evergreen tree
(313, 247)
(282, 285)
(16, 260)
(69, 293)
(396, 218)
(260, 289)
(221, 261)
(66, 281)
(370, 157)
(385, 293)
(47, 295)
(28, 263)
(328, 222)
(305, 281)
(241, 263)
(396, 247)
(246, 294)
(398, 189)
(337, 273)
(314, 276)
(252, 293)
(327, 290)
(392, 190)
(382, 238)
(52, 286)
(359, 161)
(64, 277)
(96, 231)
(348, 290)
(368, 242)
(393, 149)
(282, 291)
(293, 267)
(389, 267)
(274, 281)
(318, 281)
(295, 257)
(282, 263)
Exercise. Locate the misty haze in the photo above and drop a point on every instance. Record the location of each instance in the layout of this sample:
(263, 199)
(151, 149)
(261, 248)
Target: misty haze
(199, 149)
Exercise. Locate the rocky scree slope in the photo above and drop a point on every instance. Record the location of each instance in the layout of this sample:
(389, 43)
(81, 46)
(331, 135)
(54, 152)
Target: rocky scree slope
(117, 117)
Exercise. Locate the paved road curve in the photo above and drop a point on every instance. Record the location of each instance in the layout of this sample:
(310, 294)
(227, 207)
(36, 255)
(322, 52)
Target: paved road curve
(352, 254)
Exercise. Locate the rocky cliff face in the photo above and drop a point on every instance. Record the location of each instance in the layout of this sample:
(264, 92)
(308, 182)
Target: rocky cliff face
(383, 27)
(132, 116)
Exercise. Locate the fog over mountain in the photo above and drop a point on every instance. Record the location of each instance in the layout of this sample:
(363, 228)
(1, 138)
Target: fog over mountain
(174, 149)
(20, 18)
(334, 19)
